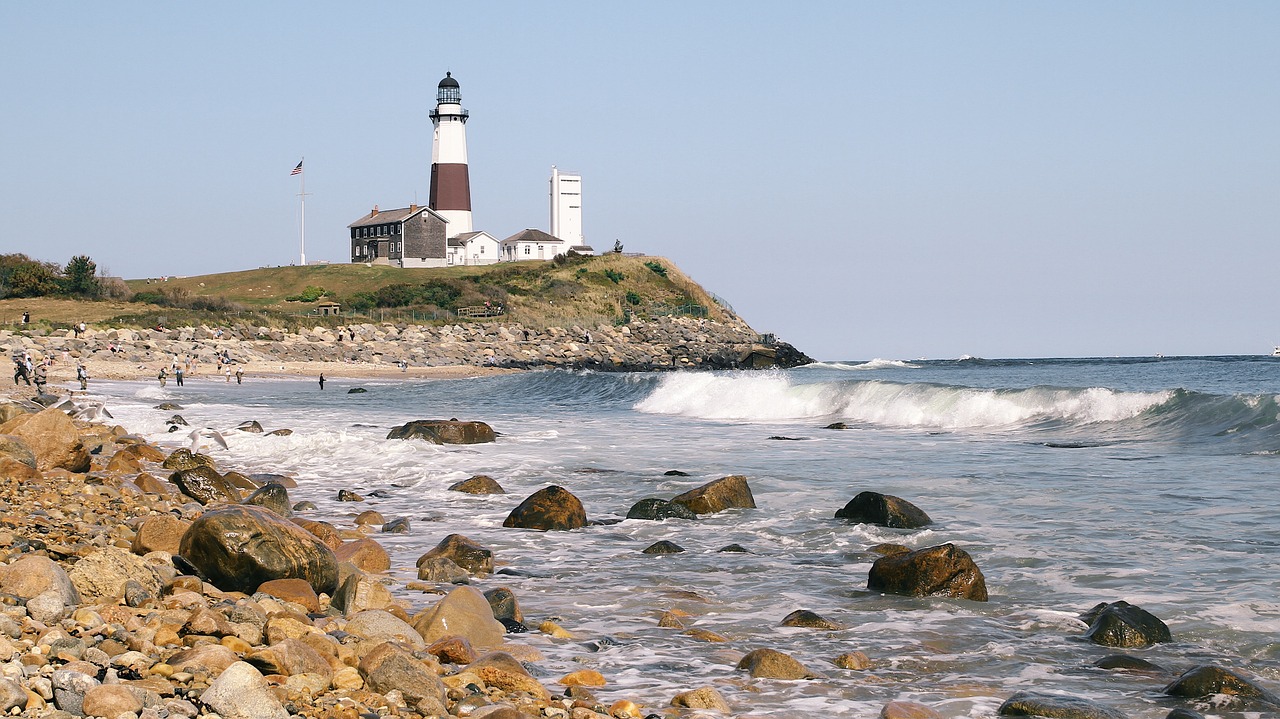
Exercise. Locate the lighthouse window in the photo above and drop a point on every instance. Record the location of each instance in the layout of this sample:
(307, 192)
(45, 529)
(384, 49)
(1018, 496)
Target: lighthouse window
(528, 250)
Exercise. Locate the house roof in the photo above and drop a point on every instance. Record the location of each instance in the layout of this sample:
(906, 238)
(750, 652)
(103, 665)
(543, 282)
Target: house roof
(382, 217)
(532, 235)
(464, 236)
(582, 248)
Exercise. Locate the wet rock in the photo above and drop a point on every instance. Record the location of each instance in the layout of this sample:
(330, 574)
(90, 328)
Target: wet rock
(357, 390)
(177, 420)
(886, 549)
(250, 426)
(205, 485)
(854, 661)
(884, 510)
(501, 670)
(1206, 680)
(265, 478)
(239, 547)
(184, 458)
(389, 668)
(675, 473)
(659, 509)
(772, 664)
(452, 650)
(325, 532)
(370, 516)
(837, 425)
(663, 547)
(503, 604)
(1120, 624)
(366, 554)
(907, 710)
(463, 552)
(719, 495)
(52, 437)
(346, 495)
(1184, 713)
(399, 525)
(944, 570)
(273, 497)
(479, 484)
(241, 692)
(701, 698)
(282, 432)
(463, 612)
(550, 508)
(442, 570)
(734, 549)
(444, 431)
(809, 620)
(170, 406)
(1054, 705)
(1128, 663)
(298, 591)
(304, 506)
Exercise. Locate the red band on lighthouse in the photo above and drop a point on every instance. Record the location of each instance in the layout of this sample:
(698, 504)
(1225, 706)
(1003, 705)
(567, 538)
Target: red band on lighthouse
(450, 187)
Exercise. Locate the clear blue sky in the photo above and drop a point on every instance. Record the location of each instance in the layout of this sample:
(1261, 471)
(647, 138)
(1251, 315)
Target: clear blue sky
(890, 180)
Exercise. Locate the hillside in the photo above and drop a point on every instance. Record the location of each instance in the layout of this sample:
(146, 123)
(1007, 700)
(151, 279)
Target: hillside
(583, 290)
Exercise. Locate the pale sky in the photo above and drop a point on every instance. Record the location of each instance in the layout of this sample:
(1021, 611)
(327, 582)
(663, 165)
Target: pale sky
(894, 180)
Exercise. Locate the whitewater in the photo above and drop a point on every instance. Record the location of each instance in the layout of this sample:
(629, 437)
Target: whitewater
(1070, 482)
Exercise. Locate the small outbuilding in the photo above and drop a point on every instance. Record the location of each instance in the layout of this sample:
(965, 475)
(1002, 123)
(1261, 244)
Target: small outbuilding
(328, 308)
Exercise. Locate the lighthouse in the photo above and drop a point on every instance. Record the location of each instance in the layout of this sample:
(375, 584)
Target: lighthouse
(450, 185)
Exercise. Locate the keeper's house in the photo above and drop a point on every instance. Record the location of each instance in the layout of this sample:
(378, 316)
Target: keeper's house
(408, 237)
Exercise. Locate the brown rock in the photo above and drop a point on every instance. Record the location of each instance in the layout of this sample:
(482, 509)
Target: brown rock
(772, 664)
(462, 552)
(359, 592)
(103, 574)
(52, 438)
(504, 604)
(124, 462)
(884, 510)
(502, 671)
(907, 710)
(370, 516)
(215, 658)
(389, 667)
(856, 661)
(184, 458)
(145, 452)
(453, 650)
(701, 698)
(463, 612)
(809, 620)
(583, 678)
(718, 496)
(110, 701)
(239, 547)
(18, 472)
(34, 575)
(479, 484)
(291, 657)
(273, 497)
(159, 532)
(204, 485)
(706, 635)
(550, 508)
(298, 591)
(944, 570)
(365, 554)
(14, 448)
(445, 431)
(325, 531)
(151, 485)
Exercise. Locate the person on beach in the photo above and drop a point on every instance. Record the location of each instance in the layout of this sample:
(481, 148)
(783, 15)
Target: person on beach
(20, 372)
(163, 376)
(26, 318)
(177, 375)
(42, 378)
(228, 375)
(82, 374)
(321, 380)
(239, 376)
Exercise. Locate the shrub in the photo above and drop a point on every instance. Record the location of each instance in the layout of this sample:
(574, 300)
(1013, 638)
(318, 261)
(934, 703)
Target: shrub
(657, 268)
(632, 298)
(309, 294)
(614, 276)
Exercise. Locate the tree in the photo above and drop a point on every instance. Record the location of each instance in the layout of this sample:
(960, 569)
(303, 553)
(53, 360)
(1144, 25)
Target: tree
(35, 279)
(81, 277)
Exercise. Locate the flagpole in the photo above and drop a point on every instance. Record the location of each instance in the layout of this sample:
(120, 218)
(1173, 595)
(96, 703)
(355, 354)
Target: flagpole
(302, 201)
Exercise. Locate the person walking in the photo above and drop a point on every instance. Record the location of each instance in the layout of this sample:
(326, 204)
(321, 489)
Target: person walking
(239, 376)
(228, 375)
(20, 372)
(163, 376)
(82, 374)
(321, 380)
(177, 375)
(42, 378)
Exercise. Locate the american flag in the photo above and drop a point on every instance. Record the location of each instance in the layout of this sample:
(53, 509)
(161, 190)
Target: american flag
(297, 170)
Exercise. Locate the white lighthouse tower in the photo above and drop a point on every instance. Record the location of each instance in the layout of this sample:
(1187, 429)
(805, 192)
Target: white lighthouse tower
(566, 206)
(450, 184)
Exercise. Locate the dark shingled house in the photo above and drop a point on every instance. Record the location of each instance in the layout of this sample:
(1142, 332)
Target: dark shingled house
(408, 237)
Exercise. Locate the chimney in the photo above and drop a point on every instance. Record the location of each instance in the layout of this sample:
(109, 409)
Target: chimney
(413, 207)
(374, 211)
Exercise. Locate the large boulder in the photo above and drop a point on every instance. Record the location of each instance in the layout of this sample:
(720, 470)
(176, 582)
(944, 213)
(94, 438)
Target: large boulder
(772, 664)
(271, 496)
(1053, 705)
(160, 532)
(659, 509)
(239, 547)
(1120, 624)
(444, 431)
(52, 437)
(389, 667)
(1208, 680)
(478, 484)
(366, 554)
(550, 508)
(15, 448)
(884, 510)
(462, 552)
(944, 570)
(34, 575)
(719, 495)
(103, 574)
(184, 458)
(205, 485)
(463, 612)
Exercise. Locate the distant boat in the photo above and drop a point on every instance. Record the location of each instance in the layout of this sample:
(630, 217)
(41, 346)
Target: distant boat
(1275, 351)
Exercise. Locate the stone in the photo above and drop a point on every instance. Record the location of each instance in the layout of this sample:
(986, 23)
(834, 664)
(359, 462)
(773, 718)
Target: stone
(772, 664)
(102, 575)
(159, 532)
(944, 570)
(365, 554)
(452, 650)
(52, 438)
(12, 696)
(854, 661)
(213, 657)
(70, 688)
(183, 458)
(1120, 624)
(325, 532)
(1206, 680)
(370, 516)
(907, 710)
(719, 495)
(291, 657)
(273, 497)
(809, 620)
(110, 701)
(34, 575)
(399, 525)
(701, 698)
(13, 447)
(251, 425)
(1057, 706)
(298, 591)
(346, 495)
(149, 484)
(1184, 713)
(583, 678)
(241, 692)
(659, 509)
(463, 612)
(550, 508)
(445, 431)
(1125, 662)
(463, 552)
(479, 484)
(503, 671)
(884, 510)
(503, 604)
(239, 547)
(662, 546)
(47, 607)
(359, 592)
(388, 668)
(734, 548)
(376, 625)
(205, 485)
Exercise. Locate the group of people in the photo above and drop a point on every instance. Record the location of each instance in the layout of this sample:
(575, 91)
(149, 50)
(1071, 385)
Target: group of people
(27, 370)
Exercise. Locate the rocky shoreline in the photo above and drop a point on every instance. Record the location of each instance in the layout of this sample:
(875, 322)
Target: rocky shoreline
(668, 343)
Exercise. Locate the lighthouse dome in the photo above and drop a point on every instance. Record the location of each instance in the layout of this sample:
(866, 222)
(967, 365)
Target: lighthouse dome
(448, 81)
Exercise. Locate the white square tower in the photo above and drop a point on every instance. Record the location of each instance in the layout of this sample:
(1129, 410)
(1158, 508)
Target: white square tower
(566, 207)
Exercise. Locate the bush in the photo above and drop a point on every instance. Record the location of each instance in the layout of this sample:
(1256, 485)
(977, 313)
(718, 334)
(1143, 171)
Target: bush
(632, 298)
(81, 277)
(21, 276)
(657, 268)
(614, 276)
(309, 294)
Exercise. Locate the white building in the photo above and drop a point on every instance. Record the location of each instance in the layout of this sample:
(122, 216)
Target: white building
(474, 248)
(566, 210)
(450, 180)
(532, 245)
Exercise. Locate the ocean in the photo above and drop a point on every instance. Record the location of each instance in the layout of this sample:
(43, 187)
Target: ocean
(1069, 481)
